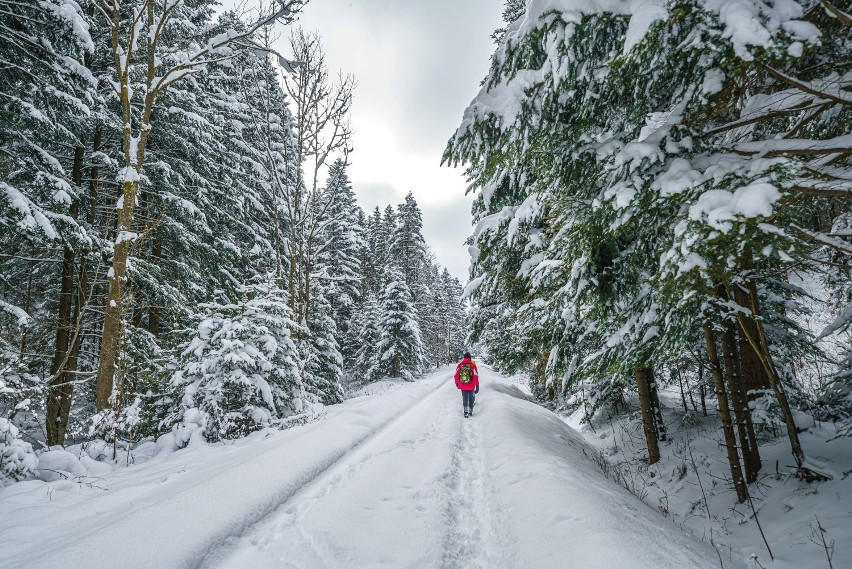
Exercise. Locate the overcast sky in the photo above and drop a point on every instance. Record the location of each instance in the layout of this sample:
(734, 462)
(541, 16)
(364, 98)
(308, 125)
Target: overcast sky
(418, 63)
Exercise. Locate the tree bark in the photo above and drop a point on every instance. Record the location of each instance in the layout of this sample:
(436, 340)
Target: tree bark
(58, 405)
(659, 423)
(154, 311)
(745, 427)
(761, 347)
(755, 378)
(115, 300)
(725, 414)
(645, 405)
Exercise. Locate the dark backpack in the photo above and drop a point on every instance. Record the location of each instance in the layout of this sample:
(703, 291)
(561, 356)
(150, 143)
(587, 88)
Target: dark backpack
(466, 373)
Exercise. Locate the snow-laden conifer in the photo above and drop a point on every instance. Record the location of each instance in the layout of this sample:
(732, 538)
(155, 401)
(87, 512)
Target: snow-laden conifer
(400, 349)
(338, 244)
(365, 366)
(240, 372)
(323, 362)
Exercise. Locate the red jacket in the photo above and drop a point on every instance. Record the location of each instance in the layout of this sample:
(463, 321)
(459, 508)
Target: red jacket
(474, 382)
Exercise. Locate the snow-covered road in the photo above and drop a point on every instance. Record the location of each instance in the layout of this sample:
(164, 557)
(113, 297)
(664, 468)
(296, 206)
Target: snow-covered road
(398, 479)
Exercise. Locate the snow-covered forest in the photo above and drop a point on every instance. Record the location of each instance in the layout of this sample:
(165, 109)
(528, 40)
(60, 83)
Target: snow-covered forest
(181, 244)
(663, 205)
(211, 355)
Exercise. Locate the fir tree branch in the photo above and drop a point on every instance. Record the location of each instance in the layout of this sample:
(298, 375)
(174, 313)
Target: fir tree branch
(805, 86)
(837, 12)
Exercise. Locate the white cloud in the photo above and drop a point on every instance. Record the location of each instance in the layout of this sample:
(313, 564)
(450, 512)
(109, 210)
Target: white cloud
(418, 64)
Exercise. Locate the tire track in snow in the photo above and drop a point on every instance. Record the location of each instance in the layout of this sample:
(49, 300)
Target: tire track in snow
(327, 484)
(477, 537)
(288, 515)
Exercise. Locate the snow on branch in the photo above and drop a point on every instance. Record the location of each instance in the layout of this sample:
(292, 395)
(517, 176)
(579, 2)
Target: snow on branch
(211, 52)
(836, 94)
(837, 12)
(795, 147)
(822, 239)
(821, 188)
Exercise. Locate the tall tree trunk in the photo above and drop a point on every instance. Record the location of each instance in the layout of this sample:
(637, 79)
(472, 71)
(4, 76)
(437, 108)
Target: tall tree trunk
(761, 347)
(153, 310)
(115, 299)
(644, 387)
(725, 414)
(739, 399)
(70, 372)
(659, 423)
(745, 427)
(755, 378)
(59, 395)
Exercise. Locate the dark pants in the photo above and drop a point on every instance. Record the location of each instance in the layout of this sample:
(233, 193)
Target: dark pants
(467, 399)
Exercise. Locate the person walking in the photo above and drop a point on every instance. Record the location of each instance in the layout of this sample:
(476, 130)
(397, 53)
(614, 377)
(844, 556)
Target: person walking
(467, 380)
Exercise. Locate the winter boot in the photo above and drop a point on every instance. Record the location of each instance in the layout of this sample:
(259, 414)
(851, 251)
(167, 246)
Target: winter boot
(466, 413)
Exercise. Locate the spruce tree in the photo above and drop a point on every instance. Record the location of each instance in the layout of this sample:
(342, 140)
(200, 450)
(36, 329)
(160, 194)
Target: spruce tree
(400, 349)
(323, 362)
(240, 372)
(365, 367)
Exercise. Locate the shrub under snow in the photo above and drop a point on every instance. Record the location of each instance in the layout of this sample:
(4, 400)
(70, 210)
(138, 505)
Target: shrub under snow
(17, 460)
(240, 372)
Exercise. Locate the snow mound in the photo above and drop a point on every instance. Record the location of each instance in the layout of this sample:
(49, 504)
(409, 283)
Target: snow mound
(60, 464)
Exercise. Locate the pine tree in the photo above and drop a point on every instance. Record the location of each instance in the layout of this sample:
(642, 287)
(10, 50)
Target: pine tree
(406, 246)
(400, 350)
(323, 360)
(240, 372)
(367, 326)
(384, 238)
(454, 322)
(338, 247)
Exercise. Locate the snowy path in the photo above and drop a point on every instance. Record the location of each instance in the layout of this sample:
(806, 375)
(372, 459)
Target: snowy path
(415, 495)
(399, 479)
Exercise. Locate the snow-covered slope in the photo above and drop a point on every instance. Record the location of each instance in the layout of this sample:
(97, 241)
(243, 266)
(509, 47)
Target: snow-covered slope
(399, 479)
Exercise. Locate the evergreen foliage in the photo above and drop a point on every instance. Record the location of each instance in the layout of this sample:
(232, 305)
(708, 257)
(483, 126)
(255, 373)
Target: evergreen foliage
(134, 206)
(646, 170)
(400, 349)
(240, 371)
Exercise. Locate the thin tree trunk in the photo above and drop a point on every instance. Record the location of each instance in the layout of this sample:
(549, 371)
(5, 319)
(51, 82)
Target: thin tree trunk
(307, 295)
(59, 395)
(725, 414)
(702, 390)
(154, 311)
(755, 378)
(659, 423)
(689, 391)
(644, 388)
(745, 427)
(761, 347)
(682, 392)
(27, 302)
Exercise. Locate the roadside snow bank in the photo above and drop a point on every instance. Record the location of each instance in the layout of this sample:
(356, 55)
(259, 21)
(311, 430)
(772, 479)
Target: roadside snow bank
(552, 491)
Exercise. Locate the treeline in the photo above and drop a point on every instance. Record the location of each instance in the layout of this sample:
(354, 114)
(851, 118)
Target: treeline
(179, 241)
(662, 194)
